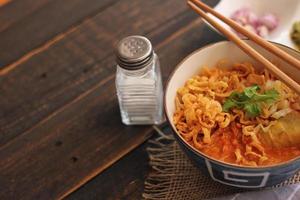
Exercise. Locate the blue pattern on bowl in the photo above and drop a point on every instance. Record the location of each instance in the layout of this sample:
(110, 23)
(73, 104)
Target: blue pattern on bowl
(240, 176)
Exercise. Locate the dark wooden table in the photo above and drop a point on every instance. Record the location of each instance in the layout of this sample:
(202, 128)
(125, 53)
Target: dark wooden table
(61, 134)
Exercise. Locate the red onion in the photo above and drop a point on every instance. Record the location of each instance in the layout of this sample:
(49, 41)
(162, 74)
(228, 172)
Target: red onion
(259, 25)
(241, 16)
(270, 21)
(262, 31)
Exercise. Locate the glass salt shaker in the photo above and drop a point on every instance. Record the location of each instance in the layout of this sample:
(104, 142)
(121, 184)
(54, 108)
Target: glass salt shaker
(139, 82)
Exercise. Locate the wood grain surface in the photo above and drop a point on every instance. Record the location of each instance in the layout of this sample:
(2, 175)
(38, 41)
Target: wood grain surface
(32, 28)
(124, 180)
(59, 122)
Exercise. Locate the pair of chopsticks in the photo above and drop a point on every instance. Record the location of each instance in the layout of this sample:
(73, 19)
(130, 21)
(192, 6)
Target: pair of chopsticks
(200, 8)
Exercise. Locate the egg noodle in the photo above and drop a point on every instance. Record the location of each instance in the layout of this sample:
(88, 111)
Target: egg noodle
(233, 136)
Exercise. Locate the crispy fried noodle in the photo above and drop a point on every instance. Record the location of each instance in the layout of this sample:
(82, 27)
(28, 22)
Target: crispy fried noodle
(240, 116)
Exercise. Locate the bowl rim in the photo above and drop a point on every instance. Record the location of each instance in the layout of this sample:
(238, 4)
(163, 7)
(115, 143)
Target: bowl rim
(198, 152)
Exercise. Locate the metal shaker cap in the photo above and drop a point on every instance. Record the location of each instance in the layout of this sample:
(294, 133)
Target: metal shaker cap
(134, 52)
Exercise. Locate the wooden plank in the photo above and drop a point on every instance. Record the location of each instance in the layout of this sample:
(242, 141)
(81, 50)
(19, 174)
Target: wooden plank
(124, 180)
(70, 148)
(75, 145)
(72, 64)
(46, 19)
(76, 131)
(14, 11)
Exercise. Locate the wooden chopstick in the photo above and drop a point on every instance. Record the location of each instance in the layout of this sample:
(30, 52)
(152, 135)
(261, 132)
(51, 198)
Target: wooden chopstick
(255, 38)
(247, 48)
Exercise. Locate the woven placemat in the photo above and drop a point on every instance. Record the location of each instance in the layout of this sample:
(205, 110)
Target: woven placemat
(175, 177)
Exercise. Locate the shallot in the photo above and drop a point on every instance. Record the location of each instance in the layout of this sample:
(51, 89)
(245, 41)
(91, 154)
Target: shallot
(261, 25)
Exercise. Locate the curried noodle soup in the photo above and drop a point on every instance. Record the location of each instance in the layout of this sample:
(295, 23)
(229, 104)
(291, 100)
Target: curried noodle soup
(239, 116)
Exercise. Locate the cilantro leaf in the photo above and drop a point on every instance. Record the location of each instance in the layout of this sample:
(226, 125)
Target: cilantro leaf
(269, 96)
(250, 100)
(228, 105)
(251, 91)
(252, 109)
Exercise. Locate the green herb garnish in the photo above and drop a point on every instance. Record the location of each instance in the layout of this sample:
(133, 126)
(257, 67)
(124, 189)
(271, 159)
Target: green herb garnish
(250, 100)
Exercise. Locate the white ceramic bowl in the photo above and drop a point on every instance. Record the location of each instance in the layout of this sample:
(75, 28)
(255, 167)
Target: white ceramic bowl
(288, 11)
(230, 174)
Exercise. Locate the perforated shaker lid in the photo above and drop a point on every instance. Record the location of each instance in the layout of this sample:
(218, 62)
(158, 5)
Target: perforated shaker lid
(134, 52)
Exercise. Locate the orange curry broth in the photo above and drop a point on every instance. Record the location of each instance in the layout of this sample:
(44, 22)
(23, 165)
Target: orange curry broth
(224, 142)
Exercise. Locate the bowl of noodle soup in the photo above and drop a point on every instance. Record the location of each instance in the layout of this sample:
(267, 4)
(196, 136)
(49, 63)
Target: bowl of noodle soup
(233, 118)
